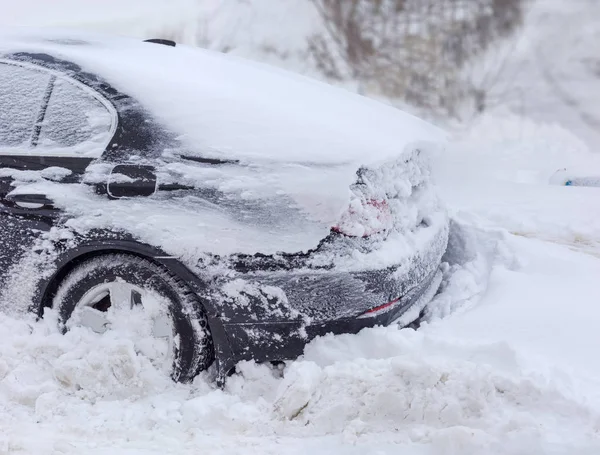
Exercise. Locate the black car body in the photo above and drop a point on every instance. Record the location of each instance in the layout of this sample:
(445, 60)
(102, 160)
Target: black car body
(261, 305)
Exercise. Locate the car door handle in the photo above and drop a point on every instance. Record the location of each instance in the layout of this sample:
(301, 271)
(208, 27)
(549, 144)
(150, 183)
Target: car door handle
(30, 201)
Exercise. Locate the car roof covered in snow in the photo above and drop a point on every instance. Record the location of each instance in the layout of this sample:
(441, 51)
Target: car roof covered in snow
(226, 107)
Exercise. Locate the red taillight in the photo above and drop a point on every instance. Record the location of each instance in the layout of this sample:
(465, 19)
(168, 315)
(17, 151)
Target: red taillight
(379, 309)
(365, 218)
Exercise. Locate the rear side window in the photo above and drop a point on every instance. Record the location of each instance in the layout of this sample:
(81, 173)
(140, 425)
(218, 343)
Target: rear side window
(75, 122)
(22, 93)
(45, 114)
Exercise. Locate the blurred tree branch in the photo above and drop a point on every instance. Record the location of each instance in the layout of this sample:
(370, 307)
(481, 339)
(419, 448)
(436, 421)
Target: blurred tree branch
(416, 50)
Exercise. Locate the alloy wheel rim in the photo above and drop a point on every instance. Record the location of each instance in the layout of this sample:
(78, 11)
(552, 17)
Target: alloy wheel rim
(103, 305)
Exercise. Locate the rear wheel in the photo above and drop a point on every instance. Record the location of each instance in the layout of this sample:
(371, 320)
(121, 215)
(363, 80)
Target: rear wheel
(144, 302)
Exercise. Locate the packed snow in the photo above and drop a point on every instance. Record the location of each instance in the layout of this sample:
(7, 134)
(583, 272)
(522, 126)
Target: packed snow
(505, 363)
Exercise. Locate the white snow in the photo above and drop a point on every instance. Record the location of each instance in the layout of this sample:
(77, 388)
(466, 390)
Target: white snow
(507, 363)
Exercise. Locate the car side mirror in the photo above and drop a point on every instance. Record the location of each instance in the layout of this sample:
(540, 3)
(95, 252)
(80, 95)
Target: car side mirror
(131, 180)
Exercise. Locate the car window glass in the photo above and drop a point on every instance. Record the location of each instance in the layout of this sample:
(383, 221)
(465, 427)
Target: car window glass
(75, 122)
(21, 97)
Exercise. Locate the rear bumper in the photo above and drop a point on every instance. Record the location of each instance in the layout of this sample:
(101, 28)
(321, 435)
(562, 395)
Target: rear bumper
(285, 310)
(270, 341)
(415, 298)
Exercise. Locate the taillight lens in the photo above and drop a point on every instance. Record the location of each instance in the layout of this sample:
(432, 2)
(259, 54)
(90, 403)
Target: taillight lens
(364, 218)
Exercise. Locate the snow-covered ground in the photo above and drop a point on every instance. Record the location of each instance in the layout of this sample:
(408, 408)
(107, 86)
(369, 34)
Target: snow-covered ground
(507, 363)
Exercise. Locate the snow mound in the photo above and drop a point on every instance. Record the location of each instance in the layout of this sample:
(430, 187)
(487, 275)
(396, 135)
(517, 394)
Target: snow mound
(471, 255)
(381, 388)
(426, 388)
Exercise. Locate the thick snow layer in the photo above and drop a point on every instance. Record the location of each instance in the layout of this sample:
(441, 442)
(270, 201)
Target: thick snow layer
(227, 107)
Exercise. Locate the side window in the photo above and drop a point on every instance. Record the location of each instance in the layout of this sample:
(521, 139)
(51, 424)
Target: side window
(75, 122)
(22, 93)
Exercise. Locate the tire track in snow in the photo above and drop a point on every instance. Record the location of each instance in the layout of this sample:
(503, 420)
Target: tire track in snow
(579, 244)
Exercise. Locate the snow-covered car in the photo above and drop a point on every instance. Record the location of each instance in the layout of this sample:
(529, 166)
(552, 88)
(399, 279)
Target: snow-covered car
(212, 208)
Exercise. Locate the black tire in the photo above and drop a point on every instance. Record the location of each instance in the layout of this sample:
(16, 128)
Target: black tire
(194, 351)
